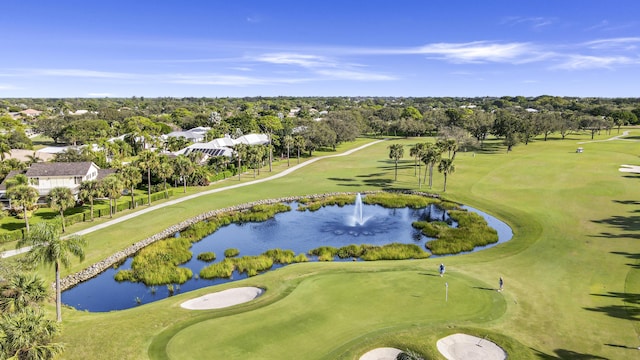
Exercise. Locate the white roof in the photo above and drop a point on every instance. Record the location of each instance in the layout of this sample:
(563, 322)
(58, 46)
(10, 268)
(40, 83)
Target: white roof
(222, 142)
(185, 134)
(253, 139)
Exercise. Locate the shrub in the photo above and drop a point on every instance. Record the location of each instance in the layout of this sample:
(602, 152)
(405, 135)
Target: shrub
(313, 204)
(280, 256)
(223, 269)
(350, 251)
(395, 251)
(232, 252)
(399, 200)
(300, 258)
(324, 253)
(207, 256)
(11, 236)
(472, 231)
(253, 265)
(157, 264)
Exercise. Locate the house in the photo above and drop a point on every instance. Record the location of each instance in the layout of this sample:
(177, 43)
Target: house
(195, 135)
(31, 112)
(46, 176)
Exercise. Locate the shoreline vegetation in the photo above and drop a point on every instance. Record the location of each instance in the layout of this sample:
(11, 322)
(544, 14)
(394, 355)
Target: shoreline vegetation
(158, 263)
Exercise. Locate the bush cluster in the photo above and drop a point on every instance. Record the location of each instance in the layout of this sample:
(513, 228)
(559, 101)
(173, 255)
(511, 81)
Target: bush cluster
(207, 256)
(252, 265)
(472, 231)
(393, 251)
(313, 204)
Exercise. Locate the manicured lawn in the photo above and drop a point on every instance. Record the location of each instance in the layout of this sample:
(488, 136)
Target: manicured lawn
(571, 270)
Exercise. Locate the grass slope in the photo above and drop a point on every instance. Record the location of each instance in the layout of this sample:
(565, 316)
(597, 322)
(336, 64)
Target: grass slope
(571, 270)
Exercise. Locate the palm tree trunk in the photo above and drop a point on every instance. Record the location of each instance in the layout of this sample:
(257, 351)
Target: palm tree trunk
(184, 185)
(149, 186)
(62, 218)
(26, 220)
(166, 195)
(58, 300)
(396, 179)
(419, 176)
(110, 208)
(445, 182)
(288, 159)
(133, 199)
(91, 211)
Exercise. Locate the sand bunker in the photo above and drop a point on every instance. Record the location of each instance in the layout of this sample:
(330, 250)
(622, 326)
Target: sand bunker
(467, 347)
(385, 353)
(223, 298)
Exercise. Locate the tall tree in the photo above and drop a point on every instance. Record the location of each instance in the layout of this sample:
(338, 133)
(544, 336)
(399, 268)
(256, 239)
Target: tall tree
(430, 158)
(148, 161)
(270, 124)
(240, 151)
(417, 151)
(131, 177)
(446, 167)
(89, 191)
(112, 187)
(60, 199)
(299, 143)
(288, 142)
(184, 168)
(164, 172)
(25, 197)
(47, 247)
(396, 152)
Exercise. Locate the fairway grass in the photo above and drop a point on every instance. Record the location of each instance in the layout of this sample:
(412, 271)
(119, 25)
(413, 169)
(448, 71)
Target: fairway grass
(570, 271)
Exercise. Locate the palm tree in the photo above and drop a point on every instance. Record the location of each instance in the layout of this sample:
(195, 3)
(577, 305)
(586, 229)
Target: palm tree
(89, 190)
(60, 199)
(28, 335)
(20, 291)
(288, 142)
(417, 151)
(430, 158)
(147, 161)
(32, 159)
(165, 171)
(396, 152)
(48, 248)
(184, 168)
(112, 187)
(240, 151)
(25, 197)
(446, 167)
(299, 143)
(131, 177)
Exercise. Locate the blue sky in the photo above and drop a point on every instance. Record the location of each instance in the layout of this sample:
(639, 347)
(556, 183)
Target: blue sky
(240, 48)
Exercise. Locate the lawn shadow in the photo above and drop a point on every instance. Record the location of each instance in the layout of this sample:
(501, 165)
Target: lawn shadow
(631, 256)
(626, 312)
(622, 346)
(625, 223)
(485, 288)
(429, 274)
(564, 354)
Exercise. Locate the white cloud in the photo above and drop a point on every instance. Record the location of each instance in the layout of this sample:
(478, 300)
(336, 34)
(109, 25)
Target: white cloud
(625, 43)
(304, 60)
(535, 22)
(354, 75)
(584, 62)
(477, 52)
(75, 73)
(7, 87)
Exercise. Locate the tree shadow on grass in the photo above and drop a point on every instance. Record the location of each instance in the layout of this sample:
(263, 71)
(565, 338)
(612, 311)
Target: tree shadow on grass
(626, 223)
(345, 182)
(631, 256)
(626, 312)
(564, 354)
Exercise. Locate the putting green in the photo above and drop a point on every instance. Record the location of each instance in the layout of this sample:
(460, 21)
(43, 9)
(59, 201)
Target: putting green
(341, 302)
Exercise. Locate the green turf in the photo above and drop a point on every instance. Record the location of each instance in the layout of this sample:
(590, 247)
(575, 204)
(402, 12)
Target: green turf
(571, 270)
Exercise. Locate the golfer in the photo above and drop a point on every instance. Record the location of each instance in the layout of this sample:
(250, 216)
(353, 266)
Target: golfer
(501, 284)
(441, 270)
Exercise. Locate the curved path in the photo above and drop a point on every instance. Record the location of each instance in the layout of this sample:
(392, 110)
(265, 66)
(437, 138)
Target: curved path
(617, 137)
(285, 172)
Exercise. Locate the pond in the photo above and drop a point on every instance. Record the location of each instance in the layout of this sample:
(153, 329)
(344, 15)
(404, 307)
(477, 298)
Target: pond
(295, 230)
